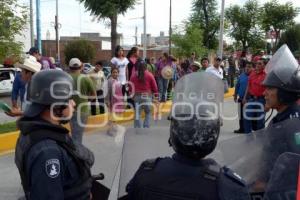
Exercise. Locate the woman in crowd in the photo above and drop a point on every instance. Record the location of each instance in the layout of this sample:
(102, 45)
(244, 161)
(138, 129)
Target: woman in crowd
(144, 89)
(132, 57)
(121, 62)
(162, 82)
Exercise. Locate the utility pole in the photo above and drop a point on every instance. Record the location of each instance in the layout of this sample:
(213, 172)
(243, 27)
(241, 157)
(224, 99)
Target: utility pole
(221, 30)
(170, 28)
(57, 34)
(31, 24)
(145, 33)
(38, 25)
(136, 36)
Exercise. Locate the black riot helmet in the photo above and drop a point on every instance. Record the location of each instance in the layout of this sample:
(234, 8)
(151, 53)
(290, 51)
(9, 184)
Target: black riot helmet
(195, 117)
(46, 88)
(284, 74)
(194, 138)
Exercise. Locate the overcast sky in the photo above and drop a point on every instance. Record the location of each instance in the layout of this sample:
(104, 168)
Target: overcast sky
(74, 19)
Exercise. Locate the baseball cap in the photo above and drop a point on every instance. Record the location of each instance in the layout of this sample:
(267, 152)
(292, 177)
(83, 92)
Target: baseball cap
(75, 63)
(33, 50)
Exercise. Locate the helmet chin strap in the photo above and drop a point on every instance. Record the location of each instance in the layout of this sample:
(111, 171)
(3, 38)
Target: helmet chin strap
(59, 114)
(64, 121)
(269, 117)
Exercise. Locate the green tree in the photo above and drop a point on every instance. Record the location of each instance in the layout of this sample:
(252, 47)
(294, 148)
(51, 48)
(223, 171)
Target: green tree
(103, 9)
(291, 37)
(13, 20)
(205, 15)
(82, 49)
(278, 17)
(190, 41)
(243, 25)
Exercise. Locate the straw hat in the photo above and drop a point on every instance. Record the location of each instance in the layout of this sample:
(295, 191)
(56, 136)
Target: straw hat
(30, 63)
(196, 64)
(167, 72)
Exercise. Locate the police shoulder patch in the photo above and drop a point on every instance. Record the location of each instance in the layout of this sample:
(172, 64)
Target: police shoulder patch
(52, 168)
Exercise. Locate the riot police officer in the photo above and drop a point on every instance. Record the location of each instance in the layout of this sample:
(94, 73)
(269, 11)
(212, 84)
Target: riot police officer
(282, 92)
(51, 166)
(194, 131)
(283, 86)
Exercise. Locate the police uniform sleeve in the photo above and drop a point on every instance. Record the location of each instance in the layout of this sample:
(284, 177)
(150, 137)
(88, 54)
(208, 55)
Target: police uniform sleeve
(46, 174)
(131, 187)
(232, 186)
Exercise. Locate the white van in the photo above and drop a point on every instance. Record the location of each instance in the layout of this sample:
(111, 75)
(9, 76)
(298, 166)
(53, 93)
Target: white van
(7, 77)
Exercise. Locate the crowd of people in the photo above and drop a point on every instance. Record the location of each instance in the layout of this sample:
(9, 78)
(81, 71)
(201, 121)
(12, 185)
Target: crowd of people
(136, 83)
(133, 83)
(52, 97)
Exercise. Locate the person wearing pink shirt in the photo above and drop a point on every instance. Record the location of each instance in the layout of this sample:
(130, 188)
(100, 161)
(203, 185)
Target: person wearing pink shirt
(144, 90)
(114, 99)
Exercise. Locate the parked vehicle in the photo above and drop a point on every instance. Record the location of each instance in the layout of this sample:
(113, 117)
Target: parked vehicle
(87, 68)
(7, 77)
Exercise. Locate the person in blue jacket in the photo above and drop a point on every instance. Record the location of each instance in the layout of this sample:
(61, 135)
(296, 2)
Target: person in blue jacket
(239, 93)
(18, 90)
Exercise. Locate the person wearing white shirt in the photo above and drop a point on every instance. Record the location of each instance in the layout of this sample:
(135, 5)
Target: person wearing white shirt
(121, 62)
(216, 68)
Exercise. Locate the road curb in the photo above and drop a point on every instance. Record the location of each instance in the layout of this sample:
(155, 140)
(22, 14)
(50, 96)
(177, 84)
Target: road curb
(8, 140)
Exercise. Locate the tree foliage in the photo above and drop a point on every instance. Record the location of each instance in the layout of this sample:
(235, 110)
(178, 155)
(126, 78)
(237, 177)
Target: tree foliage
(291, 37)
(13, 20)
(205, 15)
(190, 41)
(278, 17)
(103, 9)
(82, 49)
(243, 24)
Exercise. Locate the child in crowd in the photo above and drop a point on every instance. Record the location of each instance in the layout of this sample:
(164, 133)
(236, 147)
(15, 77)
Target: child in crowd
(114, 99)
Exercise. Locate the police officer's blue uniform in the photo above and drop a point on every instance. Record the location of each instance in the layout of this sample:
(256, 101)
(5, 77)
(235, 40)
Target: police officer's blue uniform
(49, 163)
(179, 177)
(271, 154)
(293, 111)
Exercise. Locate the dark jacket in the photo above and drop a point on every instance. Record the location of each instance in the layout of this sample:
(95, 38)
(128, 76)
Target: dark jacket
(50, 165)
(182, 178)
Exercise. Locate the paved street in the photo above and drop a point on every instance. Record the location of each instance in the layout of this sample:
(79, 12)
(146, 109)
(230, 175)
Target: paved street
(3, 117)
(107, 150)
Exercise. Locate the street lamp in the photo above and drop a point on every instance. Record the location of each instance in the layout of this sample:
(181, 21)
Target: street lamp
(38, 25)
(170, 27)
(221, 29)
(145, 33)
(57, 26)
(31, 24)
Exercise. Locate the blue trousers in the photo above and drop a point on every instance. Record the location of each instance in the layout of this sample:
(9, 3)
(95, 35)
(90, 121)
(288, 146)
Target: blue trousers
(162, 88)
(254, 115)
(142, 102)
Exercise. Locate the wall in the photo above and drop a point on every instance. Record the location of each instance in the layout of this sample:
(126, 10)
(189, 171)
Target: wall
(49, 50)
